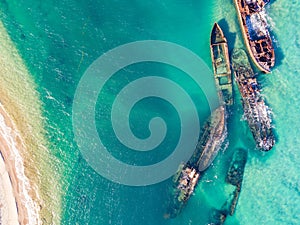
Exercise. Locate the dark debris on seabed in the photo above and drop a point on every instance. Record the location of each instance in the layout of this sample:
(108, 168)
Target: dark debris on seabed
(234, 177)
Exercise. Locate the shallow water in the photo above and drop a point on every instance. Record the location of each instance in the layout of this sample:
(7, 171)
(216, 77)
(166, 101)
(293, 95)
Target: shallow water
(59, 44)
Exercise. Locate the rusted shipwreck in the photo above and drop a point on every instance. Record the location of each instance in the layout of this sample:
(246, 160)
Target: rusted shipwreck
(213, 133)
(256, 112)
(221, 64)
(234, 178)
(188, 174)
(255, 32)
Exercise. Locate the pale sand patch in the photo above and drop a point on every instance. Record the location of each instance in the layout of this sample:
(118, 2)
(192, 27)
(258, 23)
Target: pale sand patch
(10, 145)
(21, 101)
(8, 208)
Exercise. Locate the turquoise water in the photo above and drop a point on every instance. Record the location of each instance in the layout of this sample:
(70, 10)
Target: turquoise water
(58, 41)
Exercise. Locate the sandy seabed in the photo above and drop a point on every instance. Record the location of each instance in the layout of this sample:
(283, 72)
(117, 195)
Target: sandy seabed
(33, 182)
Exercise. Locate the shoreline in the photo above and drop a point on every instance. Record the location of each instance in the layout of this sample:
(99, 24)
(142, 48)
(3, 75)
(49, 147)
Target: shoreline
(8, 207)
(25, 140)
(15, 183)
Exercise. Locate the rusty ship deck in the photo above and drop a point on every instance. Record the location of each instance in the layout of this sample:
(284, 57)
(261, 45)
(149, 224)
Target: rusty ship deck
(185, 180)
(256, 111)
(213, 133)
(221, 64)
(255, 32)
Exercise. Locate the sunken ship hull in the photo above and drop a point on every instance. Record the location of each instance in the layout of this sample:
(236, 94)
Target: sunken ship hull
(211, 140)
(234, 177)
(255, 33)
(256, 111)
(184, 183)
(221, 65)
(212, 134)
(188, 174)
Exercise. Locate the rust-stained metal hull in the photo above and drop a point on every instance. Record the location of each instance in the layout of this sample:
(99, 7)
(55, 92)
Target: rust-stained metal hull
(213, 133)
(184, 183)
(256, 111)
(188, 174)
(212, 139)
(221, 65)
(255, 33)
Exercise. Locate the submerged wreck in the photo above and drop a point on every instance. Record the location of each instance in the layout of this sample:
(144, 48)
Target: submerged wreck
(213, 133)
(217, 217)
(255, 32)
(257, 113)
(184, 183)
(211, 140)
(185, 180)
(234, 177)
(221, 64)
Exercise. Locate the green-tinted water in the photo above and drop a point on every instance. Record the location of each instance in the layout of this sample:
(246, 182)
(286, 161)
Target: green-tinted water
(59, 40)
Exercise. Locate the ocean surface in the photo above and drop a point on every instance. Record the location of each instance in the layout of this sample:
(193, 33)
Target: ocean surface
(58, 40)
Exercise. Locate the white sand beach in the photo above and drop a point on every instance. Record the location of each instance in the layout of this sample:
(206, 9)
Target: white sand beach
(8, 208)
(33, 181)
(16, 206)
